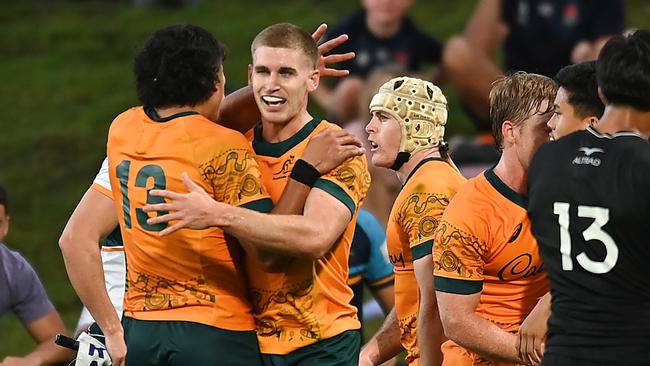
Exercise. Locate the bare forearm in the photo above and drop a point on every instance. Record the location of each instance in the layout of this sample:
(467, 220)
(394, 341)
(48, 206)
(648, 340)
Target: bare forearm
(292, 202)
(289, 235)
(429, 327)
(48, 353)
(385, 344)
(239, 110)
(430, 335)
(84, 266)
(481, 336)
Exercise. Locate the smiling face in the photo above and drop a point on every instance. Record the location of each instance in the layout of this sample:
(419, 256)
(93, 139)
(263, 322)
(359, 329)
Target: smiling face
(281, 79)
(565, 120)
(384, 135)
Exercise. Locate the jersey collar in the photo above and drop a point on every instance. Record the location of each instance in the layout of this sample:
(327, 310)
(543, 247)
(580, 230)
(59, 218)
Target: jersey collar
(504, 190)
(424, 161)
(277, 149)
(151, 113)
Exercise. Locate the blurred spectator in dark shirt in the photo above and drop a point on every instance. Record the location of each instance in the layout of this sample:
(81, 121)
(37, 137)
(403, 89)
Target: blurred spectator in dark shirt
(380, 34)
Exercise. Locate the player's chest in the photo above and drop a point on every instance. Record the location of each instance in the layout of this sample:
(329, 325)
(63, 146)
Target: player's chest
(513, 253)
(276, 171)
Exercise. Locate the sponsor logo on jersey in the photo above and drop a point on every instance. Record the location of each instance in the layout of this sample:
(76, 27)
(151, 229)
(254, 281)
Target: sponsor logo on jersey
(395, 259)
(587, 158)
(521, 266)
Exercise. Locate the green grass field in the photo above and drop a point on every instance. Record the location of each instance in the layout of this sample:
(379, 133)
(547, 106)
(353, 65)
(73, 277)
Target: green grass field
(65, 68)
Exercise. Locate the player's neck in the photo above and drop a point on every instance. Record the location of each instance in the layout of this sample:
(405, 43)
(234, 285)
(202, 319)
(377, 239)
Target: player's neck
(383, 29)
(405, 171)
(511, 172)
(170, 111)
(279, 131)
(624, 119)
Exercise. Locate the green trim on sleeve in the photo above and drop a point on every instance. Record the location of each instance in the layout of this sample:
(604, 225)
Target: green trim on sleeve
(456, 286)
(338, 193)
(263, 205)
(422, 250)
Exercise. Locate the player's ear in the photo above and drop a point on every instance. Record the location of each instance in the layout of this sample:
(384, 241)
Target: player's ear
(313, 81)
(508, 132)
(590, 121)
(250, 74)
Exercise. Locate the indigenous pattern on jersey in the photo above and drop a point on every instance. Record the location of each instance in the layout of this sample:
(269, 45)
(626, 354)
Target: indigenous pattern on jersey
(310, 301)
(190, 275)
(484, 243)
(590, 211)
(410, 233)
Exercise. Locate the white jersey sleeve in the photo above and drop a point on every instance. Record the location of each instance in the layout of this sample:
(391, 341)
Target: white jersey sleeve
(102, 182)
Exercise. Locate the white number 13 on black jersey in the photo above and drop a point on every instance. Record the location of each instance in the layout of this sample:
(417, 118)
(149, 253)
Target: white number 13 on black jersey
(593, 232)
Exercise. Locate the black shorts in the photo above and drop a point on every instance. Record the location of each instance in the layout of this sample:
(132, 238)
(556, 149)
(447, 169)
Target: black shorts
(340, 350)
(179, 343)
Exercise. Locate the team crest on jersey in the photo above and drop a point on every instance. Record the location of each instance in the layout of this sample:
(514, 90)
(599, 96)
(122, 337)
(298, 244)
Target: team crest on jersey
(285, 170)
(587, 158)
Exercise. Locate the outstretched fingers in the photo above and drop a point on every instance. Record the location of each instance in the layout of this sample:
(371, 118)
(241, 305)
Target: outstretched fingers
(332, 44)
(319, 32)
(338, 57)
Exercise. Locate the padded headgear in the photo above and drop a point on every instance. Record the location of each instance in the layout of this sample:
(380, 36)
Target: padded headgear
(419, 107)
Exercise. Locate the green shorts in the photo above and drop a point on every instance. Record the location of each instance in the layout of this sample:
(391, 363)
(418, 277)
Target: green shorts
(341, 350)
(179, 343)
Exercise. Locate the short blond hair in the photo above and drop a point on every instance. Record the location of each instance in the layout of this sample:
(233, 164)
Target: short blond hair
(287, 35)
(516, 97)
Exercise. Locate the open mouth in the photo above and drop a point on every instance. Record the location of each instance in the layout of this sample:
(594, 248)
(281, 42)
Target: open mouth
(373, 145)
(550, 137)
(273, 100)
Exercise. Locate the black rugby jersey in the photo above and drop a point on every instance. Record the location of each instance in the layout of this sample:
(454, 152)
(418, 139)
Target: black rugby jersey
(590, 211)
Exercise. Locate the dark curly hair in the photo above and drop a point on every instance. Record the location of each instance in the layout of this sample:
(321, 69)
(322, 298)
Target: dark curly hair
(622, 70)
(178, 66)
(580, 81)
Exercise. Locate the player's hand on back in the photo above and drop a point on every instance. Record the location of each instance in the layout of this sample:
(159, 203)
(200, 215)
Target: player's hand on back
(190, 210)
(325, 61)
(329, 148)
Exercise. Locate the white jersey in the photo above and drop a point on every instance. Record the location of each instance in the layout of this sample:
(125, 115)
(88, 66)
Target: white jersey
(113, 259)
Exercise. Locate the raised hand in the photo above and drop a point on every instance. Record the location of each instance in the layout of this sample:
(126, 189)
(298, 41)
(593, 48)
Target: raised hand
(325, 61)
